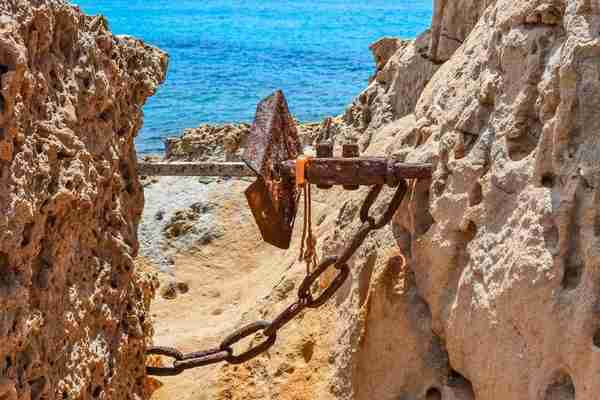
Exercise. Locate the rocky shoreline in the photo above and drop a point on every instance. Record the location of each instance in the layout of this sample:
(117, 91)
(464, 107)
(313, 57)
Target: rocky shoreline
(225, 142)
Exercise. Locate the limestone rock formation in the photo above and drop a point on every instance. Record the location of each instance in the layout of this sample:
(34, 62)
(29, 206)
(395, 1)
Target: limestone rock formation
(452, 22)
(73, 323)
(404, 67)
(508, 267)
(486, 286)
(225, 142)
(207, 142)
(403, 70)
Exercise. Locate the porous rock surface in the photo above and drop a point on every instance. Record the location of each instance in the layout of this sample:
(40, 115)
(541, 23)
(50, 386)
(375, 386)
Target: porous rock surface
(486, 286)
(225, 142)
(402, 71)
(73, 321)
(207, 142)
(452, 22)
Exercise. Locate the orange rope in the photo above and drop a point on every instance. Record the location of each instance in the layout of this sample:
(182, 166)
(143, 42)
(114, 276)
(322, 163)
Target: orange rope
(308, 252)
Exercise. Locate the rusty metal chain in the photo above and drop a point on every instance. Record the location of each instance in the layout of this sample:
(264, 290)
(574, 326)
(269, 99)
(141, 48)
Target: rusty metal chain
(306, 298)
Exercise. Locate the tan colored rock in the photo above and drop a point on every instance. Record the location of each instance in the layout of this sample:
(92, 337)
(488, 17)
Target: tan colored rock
(168, 291)
(384, 49)
(221, 142)
(207, 142)
(74, 317)
(331, 130)
(508, 265)
(451, 23)
(8, 389)
(395, 88)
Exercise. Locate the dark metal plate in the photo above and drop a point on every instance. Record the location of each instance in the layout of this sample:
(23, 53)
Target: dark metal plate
(272, 140)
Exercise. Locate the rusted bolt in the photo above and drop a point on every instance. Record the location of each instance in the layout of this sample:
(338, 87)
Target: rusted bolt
(325, 150)
(350, 150)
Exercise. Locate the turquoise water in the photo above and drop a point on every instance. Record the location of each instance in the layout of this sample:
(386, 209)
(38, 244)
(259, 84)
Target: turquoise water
(228, 54)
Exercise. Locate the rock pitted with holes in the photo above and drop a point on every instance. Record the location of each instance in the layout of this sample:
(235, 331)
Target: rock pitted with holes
(73, 321)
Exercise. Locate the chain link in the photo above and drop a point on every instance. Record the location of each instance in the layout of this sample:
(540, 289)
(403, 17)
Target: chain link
(304, 291)
(185, 361)
(286, 316)
(306, 298)
(243, 333)
(387, 216)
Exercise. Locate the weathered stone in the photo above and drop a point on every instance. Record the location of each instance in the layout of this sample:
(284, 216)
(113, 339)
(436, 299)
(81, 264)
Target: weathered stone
(169, 291)
(207, 142)
(507, 266)
(393, 92)
(222, 142)
(452, 22)
(74, 317)
(183, 287)
(384, 49)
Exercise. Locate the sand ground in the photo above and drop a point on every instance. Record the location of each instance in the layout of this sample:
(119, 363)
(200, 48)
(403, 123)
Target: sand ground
(227, 278)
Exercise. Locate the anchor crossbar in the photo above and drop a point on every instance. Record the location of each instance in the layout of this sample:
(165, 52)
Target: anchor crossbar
(320, 171)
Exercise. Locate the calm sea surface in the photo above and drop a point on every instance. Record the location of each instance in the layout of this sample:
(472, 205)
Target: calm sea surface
(226, 54)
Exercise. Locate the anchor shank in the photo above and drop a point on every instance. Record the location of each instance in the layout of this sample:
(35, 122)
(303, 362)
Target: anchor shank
(365, 171)
(321, 171)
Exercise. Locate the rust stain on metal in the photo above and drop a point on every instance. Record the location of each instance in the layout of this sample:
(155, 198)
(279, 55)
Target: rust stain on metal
(350, 150)
(365, 171)
(324, 150)
(274, 221)
(273, 139)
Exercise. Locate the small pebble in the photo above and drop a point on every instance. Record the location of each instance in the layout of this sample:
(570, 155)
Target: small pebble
(183, 287)
(169, 291)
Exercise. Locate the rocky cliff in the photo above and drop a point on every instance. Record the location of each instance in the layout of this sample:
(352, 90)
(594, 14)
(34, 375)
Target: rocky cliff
(73, 323)
(224, 142)
(486, 286)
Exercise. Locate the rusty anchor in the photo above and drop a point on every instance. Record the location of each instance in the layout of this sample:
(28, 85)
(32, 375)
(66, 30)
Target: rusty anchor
(273, 139)
(271, 152)
(274, 155)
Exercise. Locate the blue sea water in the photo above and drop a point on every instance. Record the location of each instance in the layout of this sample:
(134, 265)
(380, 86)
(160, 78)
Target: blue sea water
(225, 55)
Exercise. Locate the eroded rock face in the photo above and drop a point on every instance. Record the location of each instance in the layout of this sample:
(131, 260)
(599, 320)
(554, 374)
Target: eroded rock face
(225, 142)
(452, 22)
(487, 284)
(207, 142)
(402, 72)
(73, 323)
(511, 257)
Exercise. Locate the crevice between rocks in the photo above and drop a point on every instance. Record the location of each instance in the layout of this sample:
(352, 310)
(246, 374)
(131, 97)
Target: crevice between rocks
(561, 387)
(572, 274)
(596, 340)
(460, 387)
(433, 394)
(547, 180)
